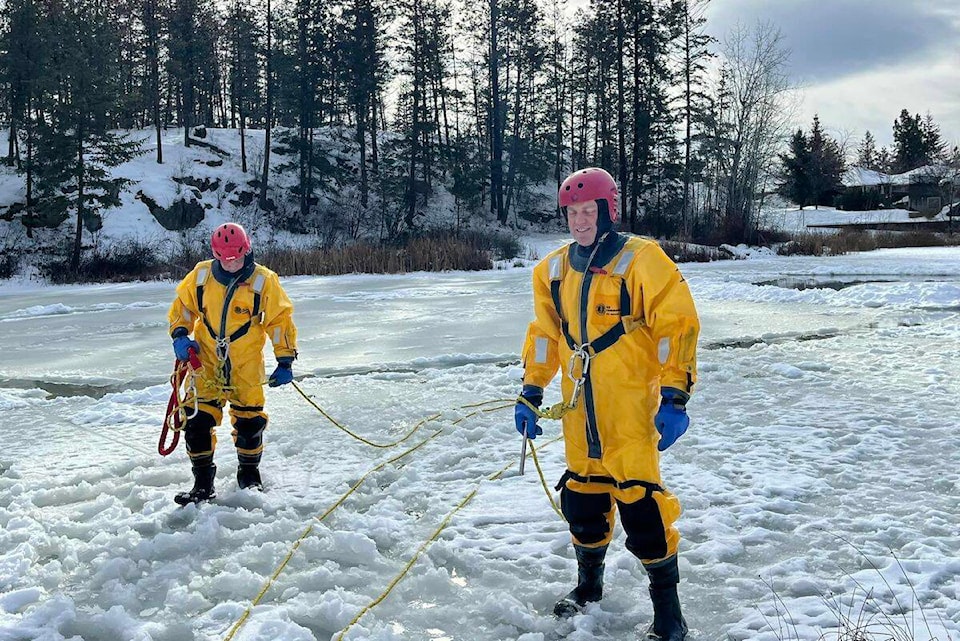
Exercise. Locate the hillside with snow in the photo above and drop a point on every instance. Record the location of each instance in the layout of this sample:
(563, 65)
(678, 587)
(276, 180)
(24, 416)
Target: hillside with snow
(179, 202)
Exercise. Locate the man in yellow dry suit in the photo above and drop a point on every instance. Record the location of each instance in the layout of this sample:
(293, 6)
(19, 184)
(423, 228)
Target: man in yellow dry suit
(231, 305)
(616, 314)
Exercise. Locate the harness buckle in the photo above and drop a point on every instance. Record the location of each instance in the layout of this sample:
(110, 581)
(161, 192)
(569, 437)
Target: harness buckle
(581, 355)
(223, 349)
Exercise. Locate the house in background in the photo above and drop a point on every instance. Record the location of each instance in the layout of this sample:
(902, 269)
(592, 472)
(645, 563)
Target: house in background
(926, 190)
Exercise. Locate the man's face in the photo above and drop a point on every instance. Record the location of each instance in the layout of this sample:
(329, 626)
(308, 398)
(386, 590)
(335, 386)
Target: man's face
(232, 266)
(582, 218)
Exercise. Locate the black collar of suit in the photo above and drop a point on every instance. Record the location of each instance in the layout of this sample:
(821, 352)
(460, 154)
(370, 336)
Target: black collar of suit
(225, 278)
(610, 246)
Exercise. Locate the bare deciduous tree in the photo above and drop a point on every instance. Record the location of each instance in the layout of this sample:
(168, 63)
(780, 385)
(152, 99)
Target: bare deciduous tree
(758, 117)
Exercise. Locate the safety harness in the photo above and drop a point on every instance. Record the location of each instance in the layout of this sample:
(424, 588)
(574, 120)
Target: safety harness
(222, 340)
(607, 480)
(578, 368)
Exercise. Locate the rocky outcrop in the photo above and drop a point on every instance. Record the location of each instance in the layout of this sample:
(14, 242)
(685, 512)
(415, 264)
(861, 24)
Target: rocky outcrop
(180, 215)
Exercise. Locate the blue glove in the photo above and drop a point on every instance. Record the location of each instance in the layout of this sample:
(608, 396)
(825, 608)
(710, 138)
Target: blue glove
(182, 345)
(526, 418)
(671, 420)
(284, 372)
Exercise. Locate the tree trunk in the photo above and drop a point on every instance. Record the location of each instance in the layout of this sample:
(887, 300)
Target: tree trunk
(496, 120)
(265, 178)
(621, 100)
(305, 106)
(13, 137)
(77, 246)
(635, 160)
(243, 142)
(514, 146)
(29, 176)
(375, 159)
(187, 109)
(687, 72)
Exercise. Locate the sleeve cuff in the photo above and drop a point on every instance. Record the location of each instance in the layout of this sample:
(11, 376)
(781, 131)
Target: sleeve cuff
(675, 395)
(532, 390)
(180, 331)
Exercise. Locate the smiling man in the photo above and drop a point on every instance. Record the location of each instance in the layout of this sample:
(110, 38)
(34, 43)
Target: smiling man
(615, 312)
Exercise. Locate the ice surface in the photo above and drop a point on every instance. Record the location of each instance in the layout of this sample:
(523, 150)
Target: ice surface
(822, 460)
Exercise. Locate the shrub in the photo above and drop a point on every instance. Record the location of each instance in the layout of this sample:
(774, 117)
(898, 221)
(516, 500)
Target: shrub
(810, 244)
(503, 245)
(420, 254)
(135, 260)
(806, 244)
(8, 265)
(689, 253)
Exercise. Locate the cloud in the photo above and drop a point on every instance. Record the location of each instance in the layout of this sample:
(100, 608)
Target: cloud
(831, 39)
(873, 99)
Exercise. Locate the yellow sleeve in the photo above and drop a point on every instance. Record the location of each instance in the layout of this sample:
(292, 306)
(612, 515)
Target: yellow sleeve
(183, 311)
(278, 319)
(670, 315)
(540, 355)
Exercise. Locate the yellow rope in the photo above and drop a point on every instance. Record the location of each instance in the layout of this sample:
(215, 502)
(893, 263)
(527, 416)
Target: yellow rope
(243, 619)
(543, 480)
(504, 404)
(269, 583)
(240, 623)
(357, 436)
(410, 563)
(554, 412)
(436, 534)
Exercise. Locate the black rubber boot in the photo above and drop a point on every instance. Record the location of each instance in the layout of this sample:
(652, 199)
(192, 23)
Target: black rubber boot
(589, 582)
(248, 476)
(668, 623)
(203, 489)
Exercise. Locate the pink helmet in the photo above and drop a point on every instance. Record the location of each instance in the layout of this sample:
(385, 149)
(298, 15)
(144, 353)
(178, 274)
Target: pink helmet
(229, 242)
(591, 183)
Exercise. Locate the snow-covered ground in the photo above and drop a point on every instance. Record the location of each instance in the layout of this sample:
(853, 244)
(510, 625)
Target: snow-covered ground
(822, 460)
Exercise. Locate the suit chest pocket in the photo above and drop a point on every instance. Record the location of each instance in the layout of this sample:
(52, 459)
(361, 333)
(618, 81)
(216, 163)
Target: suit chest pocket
(607, 306)
(241, 305)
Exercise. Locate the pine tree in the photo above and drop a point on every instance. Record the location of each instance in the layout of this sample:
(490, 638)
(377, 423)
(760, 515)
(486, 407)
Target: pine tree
(796, 173)
(885, 161)
(696, 53)
(185, 58)
(826, 165)
(364, 57)
(75, 150)
(867, 153)
(933, 145)
(496, 116)
(23, 50)
(525, 55)
(243, 41)
(154, 37)
(268, 119)
(910, 149)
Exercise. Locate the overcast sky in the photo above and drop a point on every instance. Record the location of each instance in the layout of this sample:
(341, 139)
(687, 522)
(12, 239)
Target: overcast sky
(859, 62)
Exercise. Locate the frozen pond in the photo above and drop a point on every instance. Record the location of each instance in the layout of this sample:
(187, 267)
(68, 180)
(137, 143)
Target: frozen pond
(824, 440)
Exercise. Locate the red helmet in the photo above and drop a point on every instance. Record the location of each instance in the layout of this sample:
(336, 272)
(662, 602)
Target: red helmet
(229, 242)
(591, 183)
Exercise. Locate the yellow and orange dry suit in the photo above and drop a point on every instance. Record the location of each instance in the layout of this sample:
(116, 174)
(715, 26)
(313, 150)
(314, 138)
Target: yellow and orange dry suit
(231, 315)
(631, 303)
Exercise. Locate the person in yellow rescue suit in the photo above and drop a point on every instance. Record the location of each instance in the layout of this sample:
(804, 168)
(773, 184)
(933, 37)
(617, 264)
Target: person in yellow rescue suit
(616, 313)
(231, 305)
